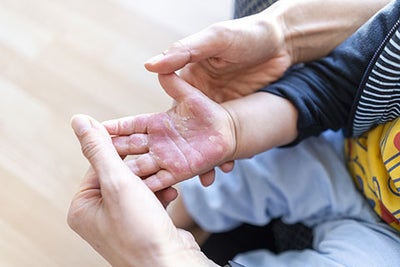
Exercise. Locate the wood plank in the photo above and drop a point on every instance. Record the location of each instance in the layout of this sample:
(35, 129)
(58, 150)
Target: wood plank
(58, 58)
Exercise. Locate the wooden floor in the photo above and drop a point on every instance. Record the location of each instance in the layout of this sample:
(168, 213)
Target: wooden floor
(57, 58)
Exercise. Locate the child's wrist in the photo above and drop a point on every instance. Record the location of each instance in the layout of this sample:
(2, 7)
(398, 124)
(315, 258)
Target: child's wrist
(234, 122)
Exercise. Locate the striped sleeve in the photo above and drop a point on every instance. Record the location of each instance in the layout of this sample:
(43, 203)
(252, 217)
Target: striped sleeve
(328, 92)
(379, 101)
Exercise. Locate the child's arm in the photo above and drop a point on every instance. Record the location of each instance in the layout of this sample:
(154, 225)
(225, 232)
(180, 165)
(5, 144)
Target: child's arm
(197, 134)
(262, 121)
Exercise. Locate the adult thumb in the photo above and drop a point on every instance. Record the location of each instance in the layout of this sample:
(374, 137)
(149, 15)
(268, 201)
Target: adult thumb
(97, 145)
(196, 47)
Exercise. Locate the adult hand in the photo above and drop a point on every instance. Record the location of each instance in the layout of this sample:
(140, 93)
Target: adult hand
(229, 59)
(118, 215)
(191, 138)
(235, 58)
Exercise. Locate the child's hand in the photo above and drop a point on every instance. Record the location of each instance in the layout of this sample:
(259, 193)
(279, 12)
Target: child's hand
(191, 138)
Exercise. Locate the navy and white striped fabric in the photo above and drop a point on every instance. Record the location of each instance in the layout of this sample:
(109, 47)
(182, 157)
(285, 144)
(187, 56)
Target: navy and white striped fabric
(380, 98)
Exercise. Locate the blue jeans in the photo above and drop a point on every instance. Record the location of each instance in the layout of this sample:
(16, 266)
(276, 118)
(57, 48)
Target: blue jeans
(308, 183)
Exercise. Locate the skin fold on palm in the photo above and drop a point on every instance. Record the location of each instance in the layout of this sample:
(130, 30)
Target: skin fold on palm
(224, 84)
(191, 138)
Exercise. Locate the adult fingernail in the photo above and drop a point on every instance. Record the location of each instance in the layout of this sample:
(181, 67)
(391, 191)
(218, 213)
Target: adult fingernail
(155, 59)
(80, 124)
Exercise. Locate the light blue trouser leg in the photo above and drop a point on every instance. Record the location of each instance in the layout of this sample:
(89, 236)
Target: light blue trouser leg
(337, 243)
(308, 183)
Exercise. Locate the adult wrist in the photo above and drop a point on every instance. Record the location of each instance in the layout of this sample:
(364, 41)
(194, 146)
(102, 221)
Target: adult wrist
(303, 31)
(189, 257)
(184, 258)
(275, 18)
(180, 251)
(312, 28)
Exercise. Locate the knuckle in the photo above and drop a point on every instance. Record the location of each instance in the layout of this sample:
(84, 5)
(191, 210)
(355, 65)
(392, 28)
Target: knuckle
(91, 148)
(112, 127)
(184, 48)
(136, 143)
(220, 29)
(73, 218)
(121, 125)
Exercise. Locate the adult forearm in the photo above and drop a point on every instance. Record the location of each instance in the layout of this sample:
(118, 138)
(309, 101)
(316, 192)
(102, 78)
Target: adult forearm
(312, 28)
(262, 121)
(324, 91)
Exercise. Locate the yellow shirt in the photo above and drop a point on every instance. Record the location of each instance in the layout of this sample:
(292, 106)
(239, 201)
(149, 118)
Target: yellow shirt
(374, 163)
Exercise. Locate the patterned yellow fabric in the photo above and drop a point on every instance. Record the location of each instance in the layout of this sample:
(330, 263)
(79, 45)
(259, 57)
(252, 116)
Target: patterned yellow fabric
(374, 162)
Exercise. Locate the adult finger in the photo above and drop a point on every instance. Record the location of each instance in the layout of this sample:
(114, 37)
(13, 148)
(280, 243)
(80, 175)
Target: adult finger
(205, 44)
(97, 147)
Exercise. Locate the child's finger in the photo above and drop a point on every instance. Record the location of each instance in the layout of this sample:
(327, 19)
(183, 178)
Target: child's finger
(128, 125)
(131, 144)
(143, 165)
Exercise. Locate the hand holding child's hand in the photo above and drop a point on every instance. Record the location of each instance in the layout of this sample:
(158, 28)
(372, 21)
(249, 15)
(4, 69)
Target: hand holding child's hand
(191, 138)
(117, 214)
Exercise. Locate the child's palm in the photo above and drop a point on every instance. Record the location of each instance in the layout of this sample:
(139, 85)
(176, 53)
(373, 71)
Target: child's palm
(191, 138)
